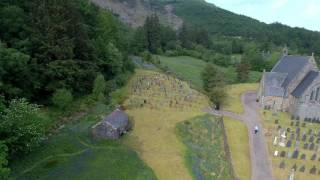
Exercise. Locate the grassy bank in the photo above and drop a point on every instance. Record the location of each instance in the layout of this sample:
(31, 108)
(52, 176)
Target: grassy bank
(237, 134)
(205, 154)
(72, 154)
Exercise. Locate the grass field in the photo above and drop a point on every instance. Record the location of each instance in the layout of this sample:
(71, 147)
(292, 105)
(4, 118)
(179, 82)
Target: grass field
(237, 134)
(154, 136)
(72, 154)
(190, 69)
(271, 130)
(233, 102)
(205, 156)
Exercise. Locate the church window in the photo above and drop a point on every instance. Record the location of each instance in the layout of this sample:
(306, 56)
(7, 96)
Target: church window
(312, 95)
(317, 93)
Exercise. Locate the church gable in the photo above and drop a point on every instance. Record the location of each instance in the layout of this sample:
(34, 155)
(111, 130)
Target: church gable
(305, 84)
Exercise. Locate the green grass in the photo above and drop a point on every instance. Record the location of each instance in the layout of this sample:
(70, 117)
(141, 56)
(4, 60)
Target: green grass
(238, 139)
(190, 69)
(72, 154)
(205, 156)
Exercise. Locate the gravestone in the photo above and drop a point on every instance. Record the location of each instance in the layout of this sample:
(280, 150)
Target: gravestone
(295, 154)
(297, 123)
(305, 146)
(275, 141)
(292, 137)
(318, 140)
(289, 144)
(282, 165)
(294, 167)
(289, 154)
(319, 134)
(310, 131)
(276, 121)
(313, 157)
(302, 168)
(311, 139)
(313, 170)
(298, 137)
(292, 123)
(304, 137)
(303, 124)
(298, 130)
(303, 157)
(283, 154)
(297, 144)
(276, 153)
(311, 147)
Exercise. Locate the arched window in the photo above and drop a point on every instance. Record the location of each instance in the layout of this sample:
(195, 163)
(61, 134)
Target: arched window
(317, 93)
(312, 95)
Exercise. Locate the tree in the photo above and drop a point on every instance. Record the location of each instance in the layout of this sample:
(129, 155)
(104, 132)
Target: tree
(99, 87)
(4, 170)
(214, 85)
(152, 28)
(243, 70)
(62, 98)
(22, 127)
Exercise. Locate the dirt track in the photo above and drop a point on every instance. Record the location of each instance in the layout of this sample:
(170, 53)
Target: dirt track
(261, 168)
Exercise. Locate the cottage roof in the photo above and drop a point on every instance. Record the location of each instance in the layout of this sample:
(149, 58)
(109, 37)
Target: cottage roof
(291, 65)
(273, 83)
(305, 83)
(117, 119)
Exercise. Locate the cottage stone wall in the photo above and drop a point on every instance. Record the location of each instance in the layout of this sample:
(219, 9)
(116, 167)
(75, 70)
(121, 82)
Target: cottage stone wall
(272, 102)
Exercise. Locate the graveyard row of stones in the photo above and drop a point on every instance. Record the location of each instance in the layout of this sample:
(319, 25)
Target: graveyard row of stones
(301, 168)
(159, 90)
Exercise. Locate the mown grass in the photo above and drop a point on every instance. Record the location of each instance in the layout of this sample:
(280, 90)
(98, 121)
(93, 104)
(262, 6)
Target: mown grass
(270, 129)
(234, 92)
(154, 134)
(205, 156)
(190, 69)
(238, 140)
(72, 154)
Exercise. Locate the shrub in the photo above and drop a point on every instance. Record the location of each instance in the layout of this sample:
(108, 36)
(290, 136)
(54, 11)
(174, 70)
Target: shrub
(99, 87)
(62, 98)
(119, 96)
(4, 171)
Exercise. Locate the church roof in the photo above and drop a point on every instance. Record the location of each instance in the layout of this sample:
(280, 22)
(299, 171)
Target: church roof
(305, 83)
(273, 83)
(291, 65)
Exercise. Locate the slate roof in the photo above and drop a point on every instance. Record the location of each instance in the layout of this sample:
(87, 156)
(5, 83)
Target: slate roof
(117, 119)
(273, 83)
(305, 83)
(291, 65)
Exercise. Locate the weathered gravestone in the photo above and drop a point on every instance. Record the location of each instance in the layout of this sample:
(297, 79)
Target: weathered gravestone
(298, 130)
(303, 157)
(298, 137)
(310, 131)
(318, 140)
(302, 168)
(313, 157)
(313, 170)
(294, 167)
(283, 154)
(304, 137)
(305, 146)
(292, 123)
(311, 139)
(311, 147)
(292, 137)
(289, 143)
(295, 154)
(289, 154)
(297, 144)
(297, 123)
(282, 165)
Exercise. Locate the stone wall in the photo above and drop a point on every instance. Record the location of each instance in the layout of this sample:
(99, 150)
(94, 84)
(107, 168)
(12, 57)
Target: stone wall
(272, 102)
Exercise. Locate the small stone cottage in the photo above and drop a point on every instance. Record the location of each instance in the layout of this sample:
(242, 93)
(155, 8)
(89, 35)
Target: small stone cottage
(293, 86)
(113, 126)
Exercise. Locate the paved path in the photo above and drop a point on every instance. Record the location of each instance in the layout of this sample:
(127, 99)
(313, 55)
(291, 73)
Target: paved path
(261, 168)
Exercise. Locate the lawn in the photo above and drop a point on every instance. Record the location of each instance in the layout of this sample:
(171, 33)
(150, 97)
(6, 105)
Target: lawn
(271, 130)
(72, 154)
(205, 157)
(190, 69)
(234, 91)
(156, 103)
(237, 135)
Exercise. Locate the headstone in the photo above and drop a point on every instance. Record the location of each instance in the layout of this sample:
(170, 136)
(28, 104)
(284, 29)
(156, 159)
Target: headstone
(313, 170)
(297, 144)
(282, 165)
(310, 131)
(291, 176)
(311, 147)
(298, 130)
(292, 137)
(305, 146)
(289, 144)
(276, 153)
(294, 167)
(298, 137)
(318, 140)
(297, 123)
(313, 157)
(304, 137)
(276, 121)
(303, 124)
(295, 154)
(302, 168)
(292, 123)
(275, 141)
(311, 139)
(289, 154)
(303, 157)
(283, 154)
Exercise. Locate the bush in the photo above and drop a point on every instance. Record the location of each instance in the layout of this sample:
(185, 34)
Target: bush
(22, 126)
(119, 96)
(99, 87)
(62, 98)
(4, 171)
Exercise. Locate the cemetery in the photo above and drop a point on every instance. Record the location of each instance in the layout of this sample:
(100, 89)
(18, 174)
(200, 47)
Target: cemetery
(294, 145)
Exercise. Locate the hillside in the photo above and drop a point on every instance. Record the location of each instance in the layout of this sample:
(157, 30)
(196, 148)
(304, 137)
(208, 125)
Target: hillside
(216, 20)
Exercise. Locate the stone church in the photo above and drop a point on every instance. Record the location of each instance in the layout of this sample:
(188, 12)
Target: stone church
(293, 86)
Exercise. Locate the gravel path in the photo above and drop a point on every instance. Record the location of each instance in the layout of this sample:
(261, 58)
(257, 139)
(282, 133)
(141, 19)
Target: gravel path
(261, 168)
